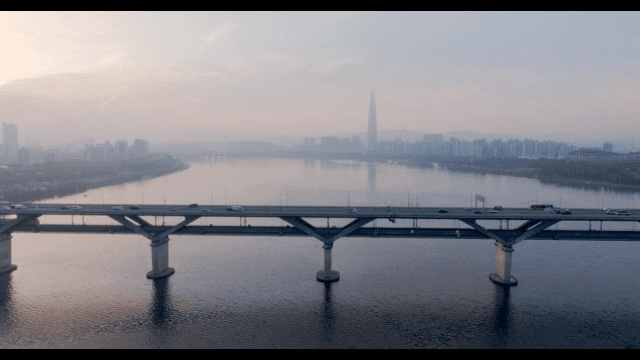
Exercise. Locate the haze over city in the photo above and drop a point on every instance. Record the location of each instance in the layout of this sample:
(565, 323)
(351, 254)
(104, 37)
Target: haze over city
(319, 180)
(180, 77)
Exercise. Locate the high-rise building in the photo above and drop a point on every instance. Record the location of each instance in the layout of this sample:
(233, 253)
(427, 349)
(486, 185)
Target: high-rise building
(607, 146)
(372, 135)
(23, 157)
(141, 148)
(122, 149)
(10, 137)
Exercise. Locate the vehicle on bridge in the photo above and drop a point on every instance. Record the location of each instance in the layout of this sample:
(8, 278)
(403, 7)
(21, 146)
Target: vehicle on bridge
(354, 210)
(235, 208)
(134, 207)
(622, 212)
(18, 206)
(540, 207)
(118, 208)
(498, 208)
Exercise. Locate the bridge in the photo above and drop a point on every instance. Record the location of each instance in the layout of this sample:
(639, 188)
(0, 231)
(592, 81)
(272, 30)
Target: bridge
(516, 225)
(211, 157)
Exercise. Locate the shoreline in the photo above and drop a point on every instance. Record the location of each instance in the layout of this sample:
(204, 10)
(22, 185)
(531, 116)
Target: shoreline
(533, 174)
(66, 179)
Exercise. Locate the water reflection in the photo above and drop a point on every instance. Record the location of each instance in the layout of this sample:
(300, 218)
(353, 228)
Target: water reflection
(328, 312)
(310, 162)
(502, 311)
(161, 307)
(6, 293)
(371, 180)
(371, 187)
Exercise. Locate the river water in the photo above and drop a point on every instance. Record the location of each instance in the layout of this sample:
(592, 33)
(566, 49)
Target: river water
(90, 291)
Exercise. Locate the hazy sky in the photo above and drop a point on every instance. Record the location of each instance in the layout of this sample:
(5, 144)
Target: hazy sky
(219, 76)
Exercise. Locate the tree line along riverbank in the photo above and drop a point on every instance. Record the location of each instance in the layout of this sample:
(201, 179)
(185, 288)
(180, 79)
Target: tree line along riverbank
(45, 181)
(576, 173)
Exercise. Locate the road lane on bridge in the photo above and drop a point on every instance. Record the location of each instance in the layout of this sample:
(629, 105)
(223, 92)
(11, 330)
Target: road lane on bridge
(323, 212)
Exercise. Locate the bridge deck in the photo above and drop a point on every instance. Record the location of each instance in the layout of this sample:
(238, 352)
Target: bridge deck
(323, 212)
(399, 232)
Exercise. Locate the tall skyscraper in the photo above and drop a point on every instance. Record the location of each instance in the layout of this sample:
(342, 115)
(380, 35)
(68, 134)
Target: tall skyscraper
(10, 137)
(372, 135)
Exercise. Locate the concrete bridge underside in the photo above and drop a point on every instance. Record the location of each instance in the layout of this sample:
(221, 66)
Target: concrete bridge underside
(504, 239)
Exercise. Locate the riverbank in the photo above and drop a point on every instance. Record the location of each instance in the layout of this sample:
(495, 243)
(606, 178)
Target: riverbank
(46, 181)
(539, 172)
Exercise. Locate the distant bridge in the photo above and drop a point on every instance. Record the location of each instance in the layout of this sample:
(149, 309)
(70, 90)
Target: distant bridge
(211, 157)
(516, 225)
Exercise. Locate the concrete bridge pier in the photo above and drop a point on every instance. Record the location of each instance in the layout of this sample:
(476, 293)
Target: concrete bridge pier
(5, 254)
(327, 275)
(502, 276)
(160, 260)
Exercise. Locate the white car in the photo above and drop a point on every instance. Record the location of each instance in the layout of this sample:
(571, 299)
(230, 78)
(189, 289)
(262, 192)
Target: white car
(354, 210)
(206, 210)
(493, 211)
(18, 206)
(235, 208)
(75, 207)
(548, 209)
(118, 208)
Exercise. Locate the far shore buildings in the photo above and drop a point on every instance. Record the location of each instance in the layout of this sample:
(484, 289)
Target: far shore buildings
(372, 134)
(121, 151)
(10, 145)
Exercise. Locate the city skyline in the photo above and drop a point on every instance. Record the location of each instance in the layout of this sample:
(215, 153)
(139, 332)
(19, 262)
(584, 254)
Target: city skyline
(246, 76)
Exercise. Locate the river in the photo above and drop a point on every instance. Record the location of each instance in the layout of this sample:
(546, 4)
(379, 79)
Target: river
(90, 291)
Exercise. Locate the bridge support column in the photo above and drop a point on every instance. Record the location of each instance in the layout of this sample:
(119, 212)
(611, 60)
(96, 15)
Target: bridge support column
(327, 275)
(5, 254)
(160, 260)
(502, 276)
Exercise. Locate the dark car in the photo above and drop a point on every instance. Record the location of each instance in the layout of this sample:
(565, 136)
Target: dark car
(498, 208)
(134, 207)
(477, 212)
(64, 207)
(442, 211)
(565, 212)
(193, 205)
